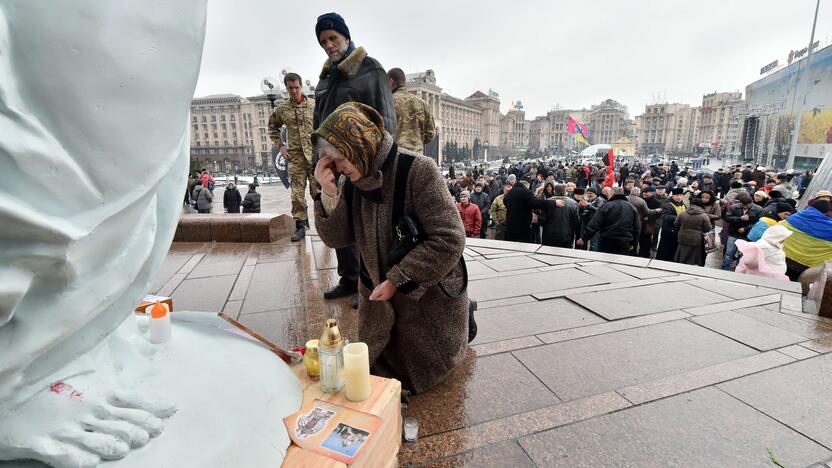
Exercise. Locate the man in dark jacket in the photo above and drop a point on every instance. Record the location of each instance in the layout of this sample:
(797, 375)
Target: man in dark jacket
(742, 216)
(251, 204)
(483, 202)
(619, 224)
(349, 74)
(231, 199)
(560, 223)
(519, 203)
(586, 211)
(654, 211)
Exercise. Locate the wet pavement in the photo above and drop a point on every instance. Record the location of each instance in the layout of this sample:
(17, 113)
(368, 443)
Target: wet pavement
(582, 358)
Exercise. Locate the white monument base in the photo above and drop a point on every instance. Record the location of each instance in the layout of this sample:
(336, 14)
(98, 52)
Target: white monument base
(231, 393)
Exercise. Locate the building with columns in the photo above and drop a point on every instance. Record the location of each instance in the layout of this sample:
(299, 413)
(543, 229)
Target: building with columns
(514, 128)
(458, 121)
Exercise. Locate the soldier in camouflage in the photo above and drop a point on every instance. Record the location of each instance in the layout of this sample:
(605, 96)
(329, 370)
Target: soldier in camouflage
(296, 113)
(414, 123)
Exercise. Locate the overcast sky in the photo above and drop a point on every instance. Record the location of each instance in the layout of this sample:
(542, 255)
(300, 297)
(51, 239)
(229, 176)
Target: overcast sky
(575, 53)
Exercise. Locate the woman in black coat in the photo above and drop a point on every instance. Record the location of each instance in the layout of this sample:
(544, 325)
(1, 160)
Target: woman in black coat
(231, 199)
(251, 204)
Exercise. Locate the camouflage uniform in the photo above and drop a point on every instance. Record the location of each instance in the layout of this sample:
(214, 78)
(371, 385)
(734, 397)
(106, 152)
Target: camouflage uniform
(298, 121)
(414, 123)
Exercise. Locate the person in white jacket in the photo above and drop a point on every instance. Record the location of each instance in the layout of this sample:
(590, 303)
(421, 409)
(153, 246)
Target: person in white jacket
(765, 257)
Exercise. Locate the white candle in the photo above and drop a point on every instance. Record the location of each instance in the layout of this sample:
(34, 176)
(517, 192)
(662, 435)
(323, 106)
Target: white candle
(357, 371)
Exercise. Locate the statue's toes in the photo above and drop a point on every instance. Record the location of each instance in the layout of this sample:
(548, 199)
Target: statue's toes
(157, 406)
(106, 446)
(53, 452)
(132, 434)
(139, 418)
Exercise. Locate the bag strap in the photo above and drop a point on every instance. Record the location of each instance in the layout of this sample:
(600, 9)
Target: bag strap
(403, 166)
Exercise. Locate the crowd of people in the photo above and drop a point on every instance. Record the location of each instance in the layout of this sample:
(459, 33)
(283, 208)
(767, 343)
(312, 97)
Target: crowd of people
(660, 211)
(200, 195)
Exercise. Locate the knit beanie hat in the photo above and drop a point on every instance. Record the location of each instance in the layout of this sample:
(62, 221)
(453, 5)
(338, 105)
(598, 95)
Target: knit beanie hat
(761, 194)
(698, 202)
(465, 194)
(782, 206)
(356, 130)
(331, 21)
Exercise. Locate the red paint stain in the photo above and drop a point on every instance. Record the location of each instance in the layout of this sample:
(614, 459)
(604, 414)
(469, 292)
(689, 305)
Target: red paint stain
(62, 388)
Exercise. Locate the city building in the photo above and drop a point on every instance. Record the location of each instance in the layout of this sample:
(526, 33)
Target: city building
(549, 134)
(665, 129)
(464, 123)
(514, 129)
(719, 123)
(608, 122)
(229, 133)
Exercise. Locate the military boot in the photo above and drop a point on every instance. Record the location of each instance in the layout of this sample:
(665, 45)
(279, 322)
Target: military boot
(300, 231)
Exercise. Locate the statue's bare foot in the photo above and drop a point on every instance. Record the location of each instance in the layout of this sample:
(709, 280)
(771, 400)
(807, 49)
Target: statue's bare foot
(87, 418)
(73, 426)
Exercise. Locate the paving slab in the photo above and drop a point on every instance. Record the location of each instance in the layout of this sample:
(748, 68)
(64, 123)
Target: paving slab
(528, 319)
(730, 289)
(478, 268)
(507, 454)
(273, 285)
(203, 294)
(673, 385)
(746, 330)
(796, 395)
(597, 364)
(645, 300)
(522, 285)
(702, 428)
(607, 274)
(611, 327)
(499, 430)
(479, 390)
(800, 325)
(513, 263)
(737, 304)
(641, 272)
(797, 352)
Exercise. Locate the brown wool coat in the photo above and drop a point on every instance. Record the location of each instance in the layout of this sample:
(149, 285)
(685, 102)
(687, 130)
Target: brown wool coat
(692, 224)
(419, 336)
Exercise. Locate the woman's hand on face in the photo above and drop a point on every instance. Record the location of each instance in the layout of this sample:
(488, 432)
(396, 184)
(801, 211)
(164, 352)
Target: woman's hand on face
(383, 292)
(326, 177)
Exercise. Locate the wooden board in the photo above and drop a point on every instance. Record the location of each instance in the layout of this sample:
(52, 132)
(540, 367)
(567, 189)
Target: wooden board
(384, 401)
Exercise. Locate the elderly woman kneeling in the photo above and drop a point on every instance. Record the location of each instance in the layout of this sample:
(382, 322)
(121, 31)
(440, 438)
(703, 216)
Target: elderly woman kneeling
(413, 312)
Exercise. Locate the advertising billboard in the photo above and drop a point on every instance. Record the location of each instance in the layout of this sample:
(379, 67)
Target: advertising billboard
(775, 99)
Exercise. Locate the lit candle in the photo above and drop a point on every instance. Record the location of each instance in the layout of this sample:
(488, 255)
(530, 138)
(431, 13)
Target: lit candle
(357, 371)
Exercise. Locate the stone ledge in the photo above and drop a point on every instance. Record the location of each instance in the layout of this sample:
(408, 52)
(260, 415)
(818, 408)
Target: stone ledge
(224, 227)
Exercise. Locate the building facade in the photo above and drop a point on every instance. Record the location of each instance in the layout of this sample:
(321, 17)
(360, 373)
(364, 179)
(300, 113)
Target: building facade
(549, 134)
(719, 122)
(514, 129)
(665, 128)
(608, 122)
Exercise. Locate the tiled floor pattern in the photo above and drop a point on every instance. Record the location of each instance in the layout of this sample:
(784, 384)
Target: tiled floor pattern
(582, 359)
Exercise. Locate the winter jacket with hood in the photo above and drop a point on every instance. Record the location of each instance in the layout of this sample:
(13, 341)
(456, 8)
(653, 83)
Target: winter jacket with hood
(203, 198)
(251, 204)
(231, 199)
(692, 223)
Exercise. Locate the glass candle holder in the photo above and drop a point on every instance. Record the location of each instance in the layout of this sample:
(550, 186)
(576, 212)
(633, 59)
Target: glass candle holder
(411, 429)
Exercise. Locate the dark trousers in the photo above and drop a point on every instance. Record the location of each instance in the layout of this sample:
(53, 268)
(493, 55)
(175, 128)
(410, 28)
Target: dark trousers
(348, 266)
(645, 241)
(518, 237)
(616, 246)
(485, 218)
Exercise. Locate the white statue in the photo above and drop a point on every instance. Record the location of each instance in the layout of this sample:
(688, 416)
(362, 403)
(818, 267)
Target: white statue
(94, 99)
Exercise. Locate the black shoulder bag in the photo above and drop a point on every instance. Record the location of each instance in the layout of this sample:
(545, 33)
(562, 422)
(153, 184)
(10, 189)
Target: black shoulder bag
(407, 233)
